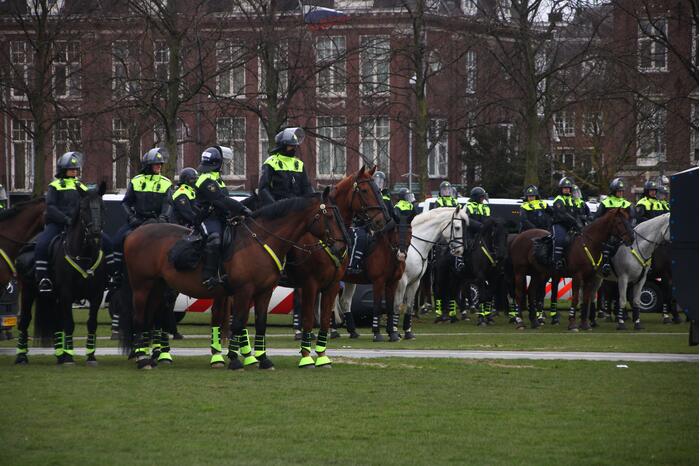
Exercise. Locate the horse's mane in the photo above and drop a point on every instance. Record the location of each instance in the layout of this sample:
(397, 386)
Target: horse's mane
(606, 216)
(651, 224)
(19, 207)
(430, 214)
(283, 207)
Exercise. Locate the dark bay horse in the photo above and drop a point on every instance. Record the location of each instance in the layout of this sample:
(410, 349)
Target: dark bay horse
(316, 270)
(261, 243)
(583, 257)
(18, 225)
(78, 272)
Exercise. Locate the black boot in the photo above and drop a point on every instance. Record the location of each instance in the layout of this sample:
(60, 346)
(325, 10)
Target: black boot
(210, 272)
(558, 259)
(606, 269)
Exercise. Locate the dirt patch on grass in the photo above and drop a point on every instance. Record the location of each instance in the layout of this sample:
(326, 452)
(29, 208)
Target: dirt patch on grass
(381, 365)
(501, 365)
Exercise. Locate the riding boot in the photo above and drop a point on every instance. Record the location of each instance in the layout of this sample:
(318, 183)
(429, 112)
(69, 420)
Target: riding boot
(350, 324)
(606, 269)
(113, 278)
(210, 268)
(558, 259)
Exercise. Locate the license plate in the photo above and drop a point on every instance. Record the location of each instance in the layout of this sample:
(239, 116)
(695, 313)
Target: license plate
(9, 321)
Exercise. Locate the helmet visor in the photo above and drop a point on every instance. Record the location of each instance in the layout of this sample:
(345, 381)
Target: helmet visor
(410, 197)
(226, 153)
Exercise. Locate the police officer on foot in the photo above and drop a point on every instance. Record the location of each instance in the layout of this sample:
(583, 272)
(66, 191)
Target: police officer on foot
(216, 206)
(649, 206)
(147, 198)
(534, 212)
(614, 200)
(62, 205)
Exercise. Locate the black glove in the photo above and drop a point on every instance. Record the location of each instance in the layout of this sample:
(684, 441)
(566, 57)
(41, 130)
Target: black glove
(246, 212)
(133, 221)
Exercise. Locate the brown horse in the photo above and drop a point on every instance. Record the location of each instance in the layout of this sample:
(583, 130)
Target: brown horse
(252, 271)
(316, 270)
(18, 225)
(583, 257)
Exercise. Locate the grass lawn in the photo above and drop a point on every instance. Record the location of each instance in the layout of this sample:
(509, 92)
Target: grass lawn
(360, 412)
(657, 338)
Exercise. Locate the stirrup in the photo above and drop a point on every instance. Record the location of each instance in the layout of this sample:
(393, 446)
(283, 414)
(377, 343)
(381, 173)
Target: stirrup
(211, 283)
(45, 285)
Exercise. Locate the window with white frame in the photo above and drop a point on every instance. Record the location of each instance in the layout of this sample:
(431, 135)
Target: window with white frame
(437, 148)
(66, 69)
(120, 154)
(330, 59)
(263, 145)
(159, 139)
(280, 66)
(471, 128)
(568, 160)
(374, 142)
(230, 132)
(125, 69)
(593, 123)
(22, 166)
(66, 136)
(230, 80)
(651, 134)
(653, 55)
(471, 71)
(161, 60)
(694, 132)
(565, 123)
(330, 147)
(469, 7)
(20, 58)
(374, 65)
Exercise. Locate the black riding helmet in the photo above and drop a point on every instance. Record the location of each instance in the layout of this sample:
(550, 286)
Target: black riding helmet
(406, 195)
(566, 183)
(155, 156)
(68, 161)
(531, 191)
(477, 194)
(616, 185)
(445, 188)
(213, 157)
(379, 179)
(188, 176)
(288, 137)
(650, 185)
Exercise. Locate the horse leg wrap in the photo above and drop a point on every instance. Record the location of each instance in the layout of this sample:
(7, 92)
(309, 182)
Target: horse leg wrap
(215, 340)
(246, 349)
(453, 308)
(233, 347)
(572, 312)
(438, 307)
(91, 343)
(164, 342)
(321, 343)
(260, 346)
(22, 342)
(306, 348)
(115, 322)
(375, 324)
(58, 342)
(155, 339)
(407, 322)
(143, 348)
(68, 345)
(396, 322)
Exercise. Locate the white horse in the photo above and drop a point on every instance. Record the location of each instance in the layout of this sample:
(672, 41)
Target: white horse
(631, 265)
(428, 230)
(442, 224)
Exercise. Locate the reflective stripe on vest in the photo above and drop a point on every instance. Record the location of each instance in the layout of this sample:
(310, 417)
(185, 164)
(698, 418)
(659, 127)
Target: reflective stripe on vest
(280, 162)
(483, 210)
(613, 202)
(185, 190)
(651, 204)
(567, 200)
(66, 184)
(446, 201)
(150, 183)
(534, 205)
(386, 197)
(404, 205)
(214, 176)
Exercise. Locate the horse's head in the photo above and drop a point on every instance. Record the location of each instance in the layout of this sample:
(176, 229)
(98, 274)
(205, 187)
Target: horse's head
(495, 235)
(91, 213)
(327, 225)
(363, 197)
(667, 227)
(453, 233)
(620, 226)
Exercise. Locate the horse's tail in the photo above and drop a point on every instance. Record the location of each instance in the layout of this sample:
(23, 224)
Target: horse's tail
(47, 319)
(122, 305)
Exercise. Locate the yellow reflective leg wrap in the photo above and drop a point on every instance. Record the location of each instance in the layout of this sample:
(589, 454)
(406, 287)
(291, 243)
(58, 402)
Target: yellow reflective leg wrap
(438, 307)
(215, 340)
(306, 361)
(246, 349)
(68, 345)
(453, 308)
(323, 361)
(216, 358)
(321, 342)
(260, 346)
(165, 356)
(58, 342)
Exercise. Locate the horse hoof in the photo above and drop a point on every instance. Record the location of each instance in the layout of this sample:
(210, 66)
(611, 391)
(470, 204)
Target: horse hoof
(677, 320)
(144, 363)
(378, 337)
(91, 362)
(22, 359)
(217, 365)
(534, 324)
(667, 320)
(585, 326)
(554, 321)
(394, 336)
(490, 322)
(235, 365)
(409, 336)
(621, 326)
(638, 326)
(266, 364)
(334, 334)
(65, 360)
(594, 323)
(354, 334)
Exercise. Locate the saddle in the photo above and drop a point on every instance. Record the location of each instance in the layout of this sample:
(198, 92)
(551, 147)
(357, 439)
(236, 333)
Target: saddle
(187, 252)
(25, 261)
(542, 250)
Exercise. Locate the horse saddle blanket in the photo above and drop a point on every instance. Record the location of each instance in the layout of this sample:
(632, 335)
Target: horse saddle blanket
(542, 250)
(187, 252)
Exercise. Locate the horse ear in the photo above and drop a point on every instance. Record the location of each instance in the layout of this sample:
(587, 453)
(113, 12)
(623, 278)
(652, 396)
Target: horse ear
(103, 188)
(371, 172)
(326, 192)
(362, 170)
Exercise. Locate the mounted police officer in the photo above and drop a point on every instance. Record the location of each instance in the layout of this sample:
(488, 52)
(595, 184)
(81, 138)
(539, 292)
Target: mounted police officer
(534, 212)
(404, 212)
(614, 200)
(216, 206)
(663, 197)
(446, 195)
(283, 175)
(478, 206)
(379, 179)
(3, 198)
(184, 198)
(62, 205)
(147, 198)
(583, 212)
(564, 219)
(649, 206)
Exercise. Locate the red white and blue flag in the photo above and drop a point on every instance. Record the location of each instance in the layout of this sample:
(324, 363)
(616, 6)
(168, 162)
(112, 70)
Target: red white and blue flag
(318, 17)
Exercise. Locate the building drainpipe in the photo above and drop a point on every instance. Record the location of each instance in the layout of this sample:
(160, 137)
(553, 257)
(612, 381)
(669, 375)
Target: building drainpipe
(410, 157)
(7, 159)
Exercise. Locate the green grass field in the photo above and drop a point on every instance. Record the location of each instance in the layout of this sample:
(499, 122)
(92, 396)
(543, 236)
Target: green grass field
(380, 411)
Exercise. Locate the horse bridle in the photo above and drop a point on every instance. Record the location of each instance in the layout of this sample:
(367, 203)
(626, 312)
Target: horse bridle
(638, 235)
(364, 206)
(452, 239)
